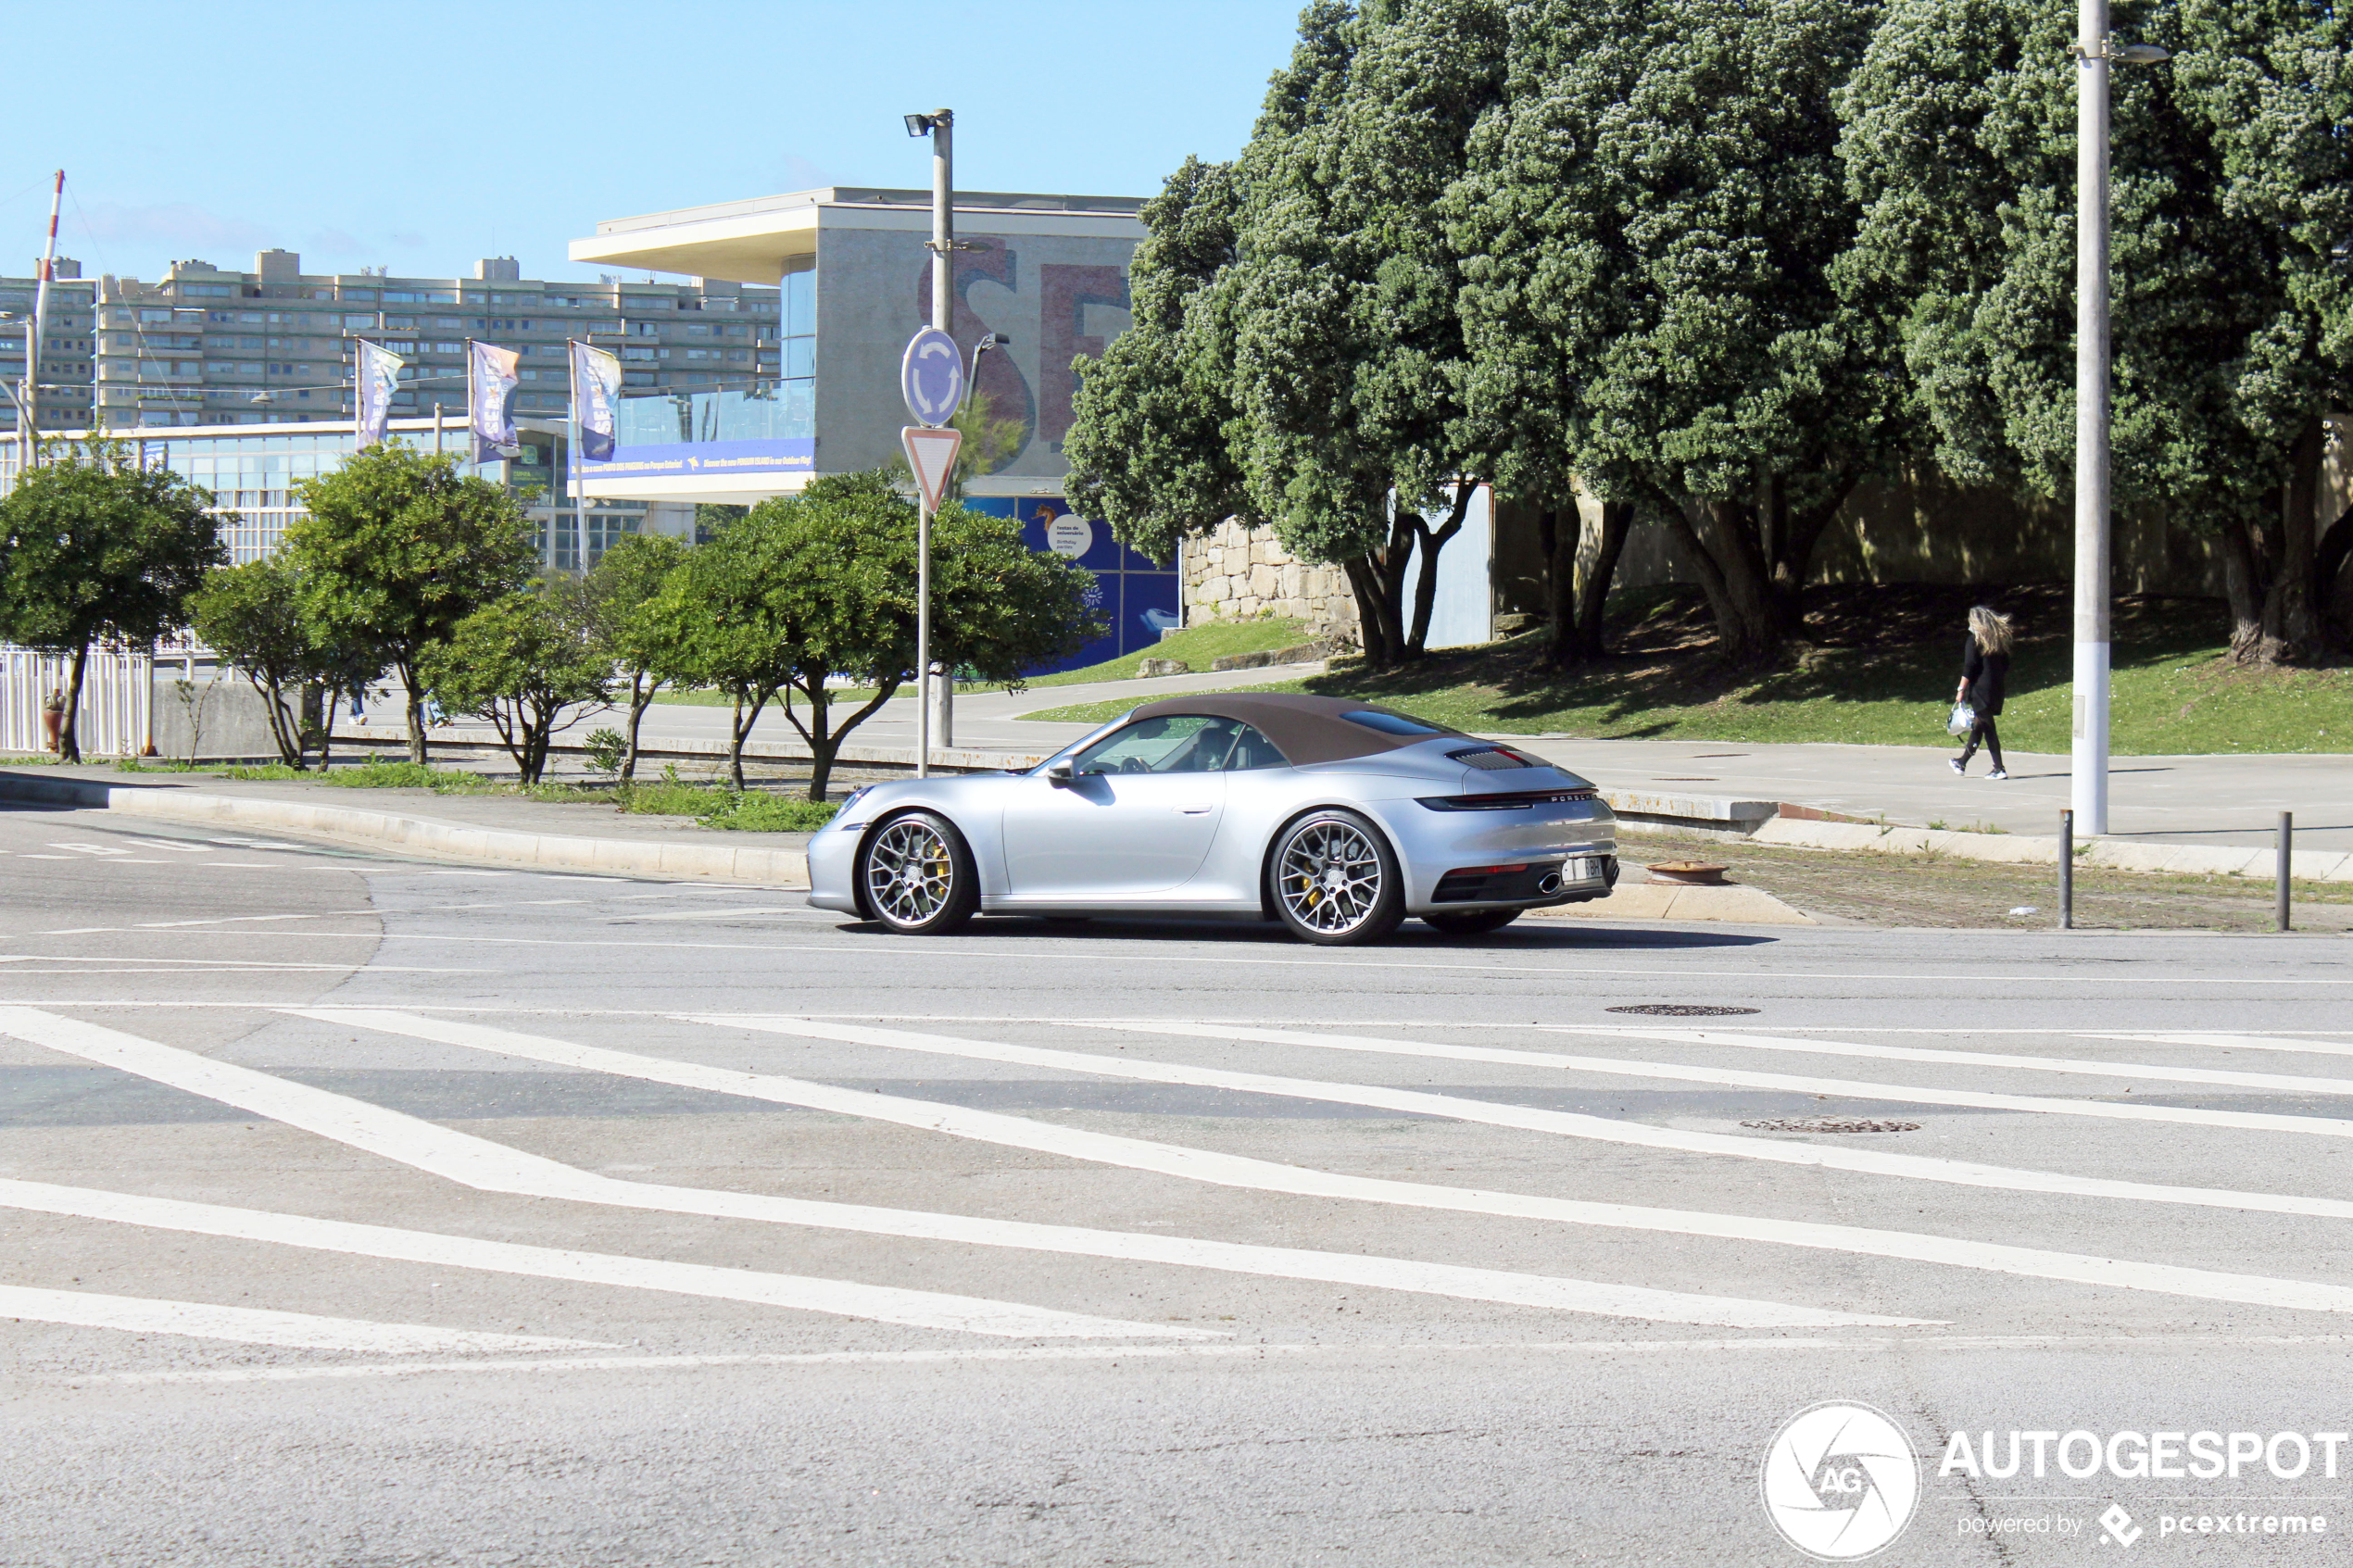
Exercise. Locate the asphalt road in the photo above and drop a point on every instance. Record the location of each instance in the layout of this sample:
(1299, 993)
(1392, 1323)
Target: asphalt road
(370, 1213)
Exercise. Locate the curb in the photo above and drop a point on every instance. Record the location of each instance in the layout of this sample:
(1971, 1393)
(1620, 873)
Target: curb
(424, 836)
(946, 759)
(1667, 900)
(2109, 854)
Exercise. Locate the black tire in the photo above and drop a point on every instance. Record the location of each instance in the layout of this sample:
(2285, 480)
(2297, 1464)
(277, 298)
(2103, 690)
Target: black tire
(1471, 924)
(916, 875)
(1334, 881)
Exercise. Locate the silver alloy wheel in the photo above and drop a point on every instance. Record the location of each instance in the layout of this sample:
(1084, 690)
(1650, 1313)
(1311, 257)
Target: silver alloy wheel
(1331, 877)
(911, 873)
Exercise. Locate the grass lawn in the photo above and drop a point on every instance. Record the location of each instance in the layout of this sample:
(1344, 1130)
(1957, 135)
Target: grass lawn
(1878, 669)
(1196, 645)
(711, 805)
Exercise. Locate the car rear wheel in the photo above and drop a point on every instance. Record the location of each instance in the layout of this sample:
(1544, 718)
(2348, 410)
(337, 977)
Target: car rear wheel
(1471, 924)
(918, 876)
(1336, 881)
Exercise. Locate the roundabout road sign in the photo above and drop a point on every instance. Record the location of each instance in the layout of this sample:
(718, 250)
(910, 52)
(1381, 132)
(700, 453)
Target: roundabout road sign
(931, 377)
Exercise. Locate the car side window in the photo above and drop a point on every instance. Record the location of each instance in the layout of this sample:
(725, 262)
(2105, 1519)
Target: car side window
(1252, 751)
(1179, 743)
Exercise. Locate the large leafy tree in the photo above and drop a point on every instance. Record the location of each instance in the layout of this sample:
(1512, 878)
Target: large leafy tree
(1650, 226)
(397, 550)
(1297, 358)
(252, 616)
(2227, 203)
(821, 584)
(617, 600)
(529, 665)
(93, 546)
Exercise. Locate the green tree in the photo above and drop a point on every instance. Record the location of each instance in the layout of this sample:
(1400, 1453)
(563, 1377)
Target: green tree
(1652, 226)
(95, 546)
(618, 597)
(251, 614)
(397, 550)
(528, 665)
(1297, 344)
(2228, 187)
(821, 584)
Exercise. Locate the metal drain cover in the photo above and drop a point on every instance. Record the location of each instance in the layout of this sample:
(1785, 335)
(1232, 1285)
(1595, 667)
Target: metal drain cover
(1832, 1125)
(1679, 1009)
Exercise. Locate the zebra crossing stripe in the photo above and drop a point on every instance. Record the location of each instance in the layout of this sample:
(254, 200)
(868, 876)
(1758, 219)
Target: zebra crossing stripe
(253, 1325)
(2138, 1071)
(1845, 1088)
(488, 1166)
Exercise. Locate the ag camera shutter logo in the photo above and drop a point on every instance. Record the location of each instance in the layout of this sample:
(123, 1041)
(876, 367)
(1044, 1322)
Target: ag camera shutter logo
(1840, 1480)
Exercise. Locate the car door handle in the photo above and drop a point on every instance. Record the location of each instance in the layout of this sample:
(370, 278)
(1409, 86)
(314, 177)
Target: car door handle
(1198, 809)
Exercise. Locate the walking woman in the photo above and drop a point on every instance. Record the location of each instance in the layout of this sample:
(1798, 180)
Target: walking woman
(1985, 672)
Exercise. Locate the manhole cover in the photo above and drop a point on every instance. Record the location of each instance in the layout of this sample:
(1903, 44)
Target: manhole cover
(1679, 1009)
(1832, 1125)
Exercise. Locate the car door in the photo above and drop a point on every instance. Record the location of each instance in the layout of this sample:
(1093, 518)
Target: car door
(1135, 818)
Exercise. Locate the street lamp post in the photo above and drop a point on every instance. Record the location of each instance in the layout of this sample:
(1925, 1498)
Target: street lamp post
(2088, 792)
(939, 124)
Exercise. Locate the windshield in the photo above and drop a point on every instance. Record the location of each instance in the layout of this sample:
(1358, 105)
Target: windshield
(1177, 744)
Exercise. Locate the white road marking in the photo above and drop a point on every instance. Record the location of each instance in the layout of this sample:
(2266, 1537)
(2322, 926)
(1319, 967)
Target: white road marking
(1843, 1346)
(919, 1308)
(723, 914)
(241, 865)
(2139, 1072)
(1238, 1170)
(1846, 1089)
(403, 1138)
(168, 844)
(92, 849)
(251, 1325)
(2234, 1043)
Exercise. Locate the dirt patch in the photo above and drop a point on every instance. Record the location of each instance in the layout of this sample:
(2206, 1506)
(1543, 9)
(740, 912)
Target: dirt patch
(1869, 888)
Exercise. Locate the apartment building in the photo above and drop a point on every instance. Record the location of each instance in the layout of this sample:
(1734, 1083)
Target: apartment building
(66, 349)
(207, 347)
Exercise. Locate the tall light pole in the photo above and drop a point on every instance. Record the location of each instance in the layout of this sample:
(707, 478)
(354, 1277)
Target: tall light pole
(2088, 793)
(939, 124)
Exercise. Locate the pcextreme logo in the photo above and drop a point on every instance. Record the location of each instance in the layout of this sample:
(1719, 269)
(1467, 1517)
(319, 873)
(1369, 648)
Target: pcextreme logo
(1840, 1481)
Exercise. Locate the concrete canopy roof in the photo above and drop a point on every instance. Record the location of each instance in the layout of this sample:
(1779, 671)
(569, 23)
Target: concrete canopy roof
(749, 242)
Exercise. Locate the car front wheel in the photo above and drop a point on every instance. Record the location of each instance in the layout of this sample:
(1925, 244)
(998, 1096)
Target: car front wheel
(918, 876)
(1335, 881)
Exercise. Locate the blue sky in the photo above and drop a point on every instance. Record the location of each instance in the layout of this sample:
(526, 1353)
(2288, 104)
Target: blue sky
(421, 136)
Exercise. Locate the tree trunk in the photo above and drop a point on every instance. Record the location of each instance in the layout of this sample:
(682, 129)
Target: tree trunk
(416, 694)
(1748, 622)
(640, 695)
(1593, 582)
(1363, 580)
(285, 727)
(329, 694)
(70, 733)
(2292, 630)
(1391, 573)
(823, 738)
(1795, 537)
(1426, 589)
(2243, 586)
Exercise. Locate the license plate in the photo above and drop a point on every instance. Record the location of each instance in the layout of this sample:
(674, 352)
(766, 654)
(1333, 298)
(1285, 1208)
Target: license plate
(1579, 870)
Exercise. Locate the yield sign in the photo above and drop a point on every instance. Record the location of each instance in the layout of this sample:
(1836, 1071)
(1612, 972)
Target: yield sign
(932, 454)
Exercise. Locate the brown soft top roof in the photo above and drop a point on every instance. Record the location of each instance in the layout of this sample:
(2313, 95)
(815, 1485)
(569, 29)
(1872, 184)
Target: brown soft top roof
(1304, 729)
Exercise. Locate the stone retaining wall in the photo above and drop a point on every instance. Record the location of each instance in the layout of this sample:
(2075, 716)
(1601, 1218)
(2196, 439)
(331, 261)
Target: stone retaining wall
(1239, 573)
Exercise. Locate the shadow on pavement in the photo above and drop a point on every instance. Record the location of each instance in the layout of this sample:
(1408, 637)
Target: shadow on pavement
(1581, 934)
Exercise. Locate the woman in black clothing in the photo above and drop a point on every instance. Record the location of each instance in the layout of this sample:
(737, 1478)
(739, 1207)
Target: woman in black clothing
(1985, 670)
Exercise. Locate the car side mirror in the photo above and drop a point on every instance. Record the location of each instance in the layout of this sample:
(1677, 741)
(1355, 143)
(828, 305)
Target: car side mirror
(1059, 775)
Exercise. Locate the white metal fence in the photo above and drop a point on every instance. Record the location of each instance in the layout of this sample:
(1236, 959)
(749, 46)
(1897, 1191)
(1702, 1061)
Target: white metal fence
(117, 693)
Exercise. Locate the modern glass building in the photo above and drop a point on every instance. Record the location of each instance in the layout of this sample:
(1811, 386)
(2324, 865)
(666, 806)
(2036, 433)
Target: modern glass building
(252, 472)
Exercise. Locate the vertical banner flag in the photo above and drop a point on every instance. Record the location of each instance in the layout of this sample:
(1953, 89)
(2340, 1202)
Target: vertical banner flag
(596, 402)
(490, 395)
(375, 376)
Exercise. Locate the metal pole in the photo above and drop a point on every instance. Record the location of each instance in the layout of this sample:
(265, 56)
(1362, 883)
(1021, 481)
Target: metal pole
(29, 410)
(2285, 860)
(2067, 871)
(943, 295)
(2089, 794)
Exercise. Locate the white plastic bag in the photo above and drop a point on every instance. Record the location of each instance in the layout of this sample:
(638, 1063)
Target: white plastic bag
(1963, 720)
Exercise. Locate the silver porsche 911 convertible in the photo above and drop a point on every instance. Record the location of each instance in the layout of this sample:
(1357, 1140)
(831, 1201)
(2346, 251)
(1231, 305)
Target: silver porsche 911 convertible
(1339, 819)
